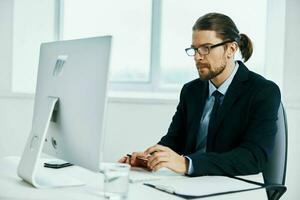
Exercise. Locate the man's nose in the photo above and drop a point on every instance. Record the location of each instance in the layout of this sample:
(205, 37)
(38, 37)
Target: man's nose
(198, 56)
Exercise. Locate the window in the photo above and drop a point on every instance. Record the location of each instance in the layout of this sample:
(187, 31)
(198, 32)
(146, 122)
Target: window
(129, 22)
(178, 17)
(152, 52)
(33, 22)
(149, 36)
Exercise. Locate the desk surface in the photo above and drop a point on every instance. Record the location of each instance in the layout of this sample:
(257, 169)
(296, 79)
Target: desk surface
(14, 188)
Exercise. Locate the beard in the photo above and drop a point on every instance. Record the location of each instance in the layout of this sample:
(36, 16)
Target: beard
(212, 73)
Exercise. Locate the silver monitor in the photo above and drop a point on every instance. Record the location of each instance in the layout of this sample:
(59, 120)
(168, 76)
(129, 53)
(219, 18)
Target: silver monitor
(69, 107)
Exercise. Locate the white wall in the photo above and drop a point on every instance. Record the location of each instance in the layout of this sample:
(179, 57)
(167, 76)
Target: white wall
(131, 125)
(293, 162)
(15, 123)
(292, 51)
(275, 41)
(6, 37)
(134, 125)
(292, 95)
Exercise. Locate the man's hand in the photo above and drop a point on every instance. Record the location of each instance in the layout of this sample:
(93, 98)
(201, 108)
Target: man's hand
(137, 159)
(124, 159)
(162, 156)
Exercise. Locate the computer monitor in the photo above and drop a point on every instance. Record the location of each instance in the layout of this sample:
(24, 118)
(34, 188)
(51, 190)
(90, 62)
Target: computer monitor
(69, 108)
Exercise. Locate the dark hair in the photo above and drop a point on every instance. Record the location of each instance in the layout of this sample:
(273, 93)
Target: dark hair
(226, 30)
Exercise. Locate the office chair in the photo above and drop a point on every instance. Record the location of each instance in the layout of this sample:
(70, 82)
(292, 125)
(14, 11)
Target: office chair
(274, 172)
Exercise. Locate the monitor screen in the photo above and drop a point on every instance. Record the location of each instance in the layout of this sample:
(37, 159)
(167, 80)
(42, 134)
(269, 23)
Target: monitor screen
(70, 102)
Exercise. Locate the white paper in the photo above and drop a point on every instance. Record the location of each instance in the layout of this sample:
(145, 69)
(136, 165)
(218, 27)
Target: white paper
(205, 185)
(141, 175)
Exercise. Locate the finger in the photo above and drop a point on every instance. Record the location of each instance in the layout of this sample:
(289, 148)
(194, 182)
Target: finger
(123, 160)
(160, 165)
(157, 160)
(134, 155)
(155, 148)
(156, 155)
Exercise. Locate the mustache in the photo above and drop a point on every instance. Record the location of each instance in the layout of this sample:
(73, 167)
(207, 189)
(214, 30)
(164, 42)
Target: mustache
(202, 65)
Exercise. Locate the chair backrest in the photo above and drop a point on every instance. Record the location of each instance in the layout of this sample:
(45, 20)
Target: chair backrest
(275, 170)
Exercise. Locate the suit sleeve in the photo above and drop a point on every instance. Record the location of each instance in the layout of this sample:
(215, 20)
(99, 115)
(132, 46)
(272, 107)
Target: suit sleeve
(256, 145)
(174, 137)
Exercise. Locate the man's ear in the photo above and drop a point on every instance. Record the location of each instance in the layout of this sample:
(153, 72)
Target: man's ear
(232, 48)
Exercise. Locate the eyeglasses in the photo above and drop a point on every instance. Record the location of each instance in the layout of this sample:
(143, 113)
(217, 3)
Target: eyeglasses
(205, 49)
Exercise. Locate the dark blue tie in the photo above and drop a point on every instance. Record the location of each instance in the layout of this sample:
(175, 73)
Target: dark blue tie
(205, 125)
(214, 113)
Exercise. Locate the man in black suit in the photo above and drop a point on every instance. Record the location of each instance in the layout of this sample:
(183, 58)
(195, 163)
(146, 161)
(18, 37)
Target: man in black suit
(225, 122)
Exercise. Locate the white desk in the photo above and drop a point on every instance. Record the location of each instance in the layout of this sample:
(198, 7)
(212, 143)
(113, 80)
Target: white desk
(14, 188)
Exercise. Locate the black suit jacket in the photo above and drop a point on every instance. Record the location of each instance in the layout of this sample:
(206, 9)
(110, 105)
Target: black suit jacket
(244, 132)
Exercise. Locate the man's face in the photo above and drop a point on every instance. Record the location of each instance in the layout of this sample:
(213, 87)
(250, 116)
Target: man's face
(211, 65)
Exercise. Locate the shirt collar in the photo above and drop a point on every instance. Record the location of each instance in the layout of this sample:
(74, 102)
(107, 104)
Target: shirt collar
(224, 87)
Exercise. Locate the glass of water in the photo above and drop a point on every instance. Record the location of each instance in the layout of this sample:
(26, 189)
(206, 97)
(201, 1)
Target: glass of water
(116, 181)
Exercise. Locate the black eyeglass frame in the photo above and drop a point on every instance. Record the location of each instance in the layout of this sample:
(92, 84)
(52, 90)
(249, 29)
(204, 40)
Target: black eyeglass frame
(209, 47)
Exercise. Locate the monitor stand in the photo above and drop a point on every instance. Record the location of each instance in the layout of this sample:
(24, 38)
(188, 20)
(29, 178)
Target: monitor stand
(30, 169)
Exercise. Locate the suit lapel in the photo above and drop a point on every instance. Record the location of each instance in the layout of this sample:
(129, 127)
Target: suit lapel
(200, 96)
(203, 93)
(233, 93)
